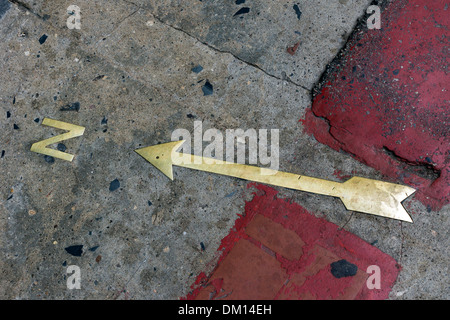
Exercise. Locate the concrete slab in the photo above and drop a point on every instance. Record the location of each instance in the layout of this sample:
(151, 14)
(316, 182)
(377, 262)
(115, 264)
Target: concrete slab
(131, 70)
(98, 18)
(260, 33)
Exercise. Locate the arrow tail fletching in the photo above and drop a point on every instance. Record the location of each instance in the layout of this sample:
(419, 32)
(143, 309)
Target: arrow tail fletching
(376, 197)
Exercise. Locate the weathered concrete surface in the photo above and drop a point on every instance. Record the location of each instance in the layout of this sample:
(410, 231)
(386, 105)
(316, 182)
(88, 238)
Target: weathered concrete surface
(130, 64)
(262, 36)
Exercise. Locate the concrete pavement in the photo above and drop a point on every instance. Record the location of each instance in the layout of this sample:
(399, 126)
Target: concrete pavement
(129, 76)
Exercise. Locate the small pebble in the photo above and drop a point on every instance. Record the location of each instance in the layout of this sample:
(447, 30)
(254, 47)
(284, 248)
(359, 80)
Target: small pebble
(49, 159)
(61, 147)
(76, 250)
(197, 69)
(297, 11)
(231, 194)
(114, 185)
(243, 10)
(71, 107)
(207, 88)
(98, 77)
(43, 39)
(343, 268)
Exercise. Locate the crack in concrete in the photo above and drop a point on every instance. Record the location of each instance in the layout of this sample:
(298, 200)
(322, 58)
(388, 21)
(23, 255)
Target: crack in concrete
(88, 49)
(419, 168)
(118, 24)
(23, 6)
(285, 78)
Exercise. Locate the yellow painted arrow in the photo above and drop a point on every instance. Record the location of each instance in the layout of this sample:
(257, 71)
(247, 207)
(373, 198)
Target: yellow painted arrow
(358, 194)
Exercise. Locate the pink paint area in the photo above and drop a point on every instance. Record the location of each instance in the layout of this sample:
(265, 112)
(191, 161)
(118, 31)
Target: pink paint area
(388, 103)
(278, 250)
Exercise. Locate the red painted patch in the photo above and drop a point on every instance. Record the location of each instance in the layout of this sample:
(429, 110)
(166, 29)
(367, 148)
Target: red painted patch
(338, 174)
(258, 261)
(388, 105)
(275, 237)
(293, 49)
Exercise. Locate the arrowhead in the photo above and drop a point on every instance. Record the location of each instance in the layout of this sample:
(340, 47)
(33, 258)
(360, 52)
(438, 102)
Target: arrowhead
(160, 156)
(376, 197)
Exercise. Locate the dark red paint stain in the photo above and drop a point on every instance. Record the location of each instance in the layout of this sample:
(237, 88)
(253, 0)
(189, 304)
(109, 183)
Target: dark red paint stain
(293, 49)
(309, 276)
(338, 174)
(388, 103)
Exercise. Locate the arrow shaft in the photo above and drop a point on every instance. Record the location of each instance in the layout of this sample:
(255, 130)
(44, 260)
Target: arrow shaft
(358, 194)
(256, 174)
